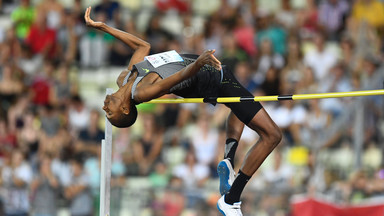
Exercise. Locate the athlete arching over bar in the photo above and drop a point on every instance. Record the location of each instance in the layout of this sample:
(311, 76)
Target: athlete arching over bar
(192, 76)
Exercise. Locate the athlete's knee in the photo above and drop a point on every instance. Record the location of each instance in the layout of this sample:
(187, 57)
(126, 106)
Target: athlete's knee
(273, 136)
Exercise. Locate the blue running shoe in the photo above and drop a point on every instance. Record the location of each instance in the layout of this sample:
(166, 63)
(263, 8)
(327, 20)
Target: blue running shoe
(226, 175)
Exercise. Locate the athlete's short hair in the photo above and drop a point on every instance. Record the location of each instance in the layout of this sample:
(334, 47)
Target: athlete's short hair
(125, 120)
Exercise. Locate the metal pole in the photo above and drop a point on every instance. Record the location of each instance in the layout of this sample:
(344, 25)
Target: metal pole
(270, 98)
(102, 179)
(358, 133)
(106, 160)
(381, 127)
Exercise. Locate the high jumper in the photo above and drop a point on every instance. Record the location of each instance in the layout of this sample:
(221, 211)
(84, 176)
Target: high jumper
(191, 76)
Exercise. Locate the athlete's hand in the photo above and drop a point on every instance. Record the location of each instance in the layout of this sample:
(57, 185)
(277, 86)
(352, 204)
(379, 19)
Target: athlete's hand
(208, 58)
(89, 21)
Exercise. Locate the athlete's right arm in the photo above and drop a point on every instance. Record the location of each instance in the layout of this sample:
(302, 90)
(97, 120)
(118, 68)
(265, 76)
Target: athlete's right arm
(141, 47)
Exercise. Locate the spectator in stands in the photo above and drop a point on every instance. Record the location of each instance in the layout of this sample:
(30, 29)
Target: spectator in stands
(120, 52)
(369, 11)
(315, 123)
(332, 16)
(279, 177)
(194, 175)
(10, 87)
(307, 19)
(321, 59)
(267, 59)
(78, 114)
(28, 136)
(50, 121)
(348, 54)
(44, 189)
(54, 11)
(11, 47)
(67, 37)
(111, 9)
(371, 160)
(7, 139)
(271, 83)
(90, 138)
(212, 35)
(365, 38)
(181, 6)
(205, 140)
(18, 112)
(289, 117)
(23, 17)
(29, 63)
(78, 192)
(313, 178)
(243, 74)
(244, 34)
(293, 72)
(122, 143)
(61, 166)
(174, 152)
(64, 87)
(231, 54)
(287, 16)
(42, 86)
(173, 202)
(272, 32)
(94, 46)
(15, 178)
(359, 187)
(336, 81)
(148, 147)
(156, 35)
(159, 178)
(41, 38)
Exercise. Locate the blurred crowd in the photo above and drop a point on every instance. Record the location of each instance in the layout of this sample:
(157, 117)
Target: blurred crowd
(50, 136)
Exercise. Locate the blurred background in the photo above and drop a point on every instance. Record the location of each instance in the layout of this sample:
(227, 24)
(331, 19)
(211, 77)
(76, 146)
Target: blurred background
(54, 72)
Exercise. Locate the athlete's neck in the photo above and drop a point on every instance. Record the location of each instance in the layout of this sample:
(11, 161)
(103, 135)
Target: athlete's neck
(125, 91)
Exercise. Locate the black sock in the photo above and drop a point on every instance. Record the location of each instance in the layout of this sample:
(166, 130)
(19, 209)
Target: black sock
(237, 188)
(230, 150)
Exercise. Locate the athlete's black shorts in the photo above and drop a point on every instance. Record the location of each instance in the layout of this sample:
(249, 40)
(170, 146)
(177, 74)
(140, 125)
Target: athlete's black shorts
(207, 84)
(230, 87)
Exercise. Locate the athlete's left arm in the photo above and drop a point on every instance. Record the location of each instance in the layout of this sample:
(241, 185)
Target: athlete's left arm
(147, 92)
(141, 48)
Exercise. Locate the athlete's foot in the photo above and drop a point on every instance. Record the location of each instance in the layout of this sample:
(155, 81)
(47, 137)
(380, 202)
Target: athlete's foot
(226, 175)
(227, 209)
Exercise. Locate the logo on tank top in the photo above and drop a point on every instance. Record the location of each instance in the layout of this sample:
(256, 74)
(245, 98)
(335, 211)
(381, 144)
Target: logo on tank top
(146, 70)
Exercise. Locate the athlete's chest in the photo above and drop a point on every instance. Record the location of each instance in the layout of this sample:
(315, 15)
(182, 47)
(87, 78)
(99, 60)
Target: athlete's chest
(149, 79)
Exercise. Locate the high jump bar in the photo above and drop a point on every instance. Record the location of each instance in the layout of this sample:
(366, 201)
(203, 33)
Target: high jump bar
(268, 98)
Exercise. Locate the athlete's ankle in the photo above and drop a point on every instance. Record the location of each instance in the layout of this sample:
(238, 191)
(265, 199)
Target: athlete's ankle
(237, 188)
(230, 150)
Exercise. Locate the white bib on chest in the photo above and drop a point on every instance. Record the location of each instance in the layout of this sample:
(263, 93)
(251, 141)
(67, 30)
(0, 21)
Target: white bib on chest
(163, 58)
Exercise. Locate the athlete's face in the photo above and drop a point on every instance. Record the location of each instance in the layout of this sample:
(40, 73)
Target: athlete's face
(112, 106)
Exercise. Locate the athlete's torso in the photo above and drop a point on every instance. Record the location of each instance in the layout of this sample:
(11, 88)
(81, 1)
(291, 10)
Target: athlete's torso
(205, 83)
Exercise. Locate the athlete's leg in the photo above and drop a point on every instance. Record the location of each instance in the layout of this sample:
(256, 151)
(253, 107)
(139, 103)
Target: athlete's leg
(255, 117)
(225, 167)
(234, 130)
(270, 137)
(234, 127)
